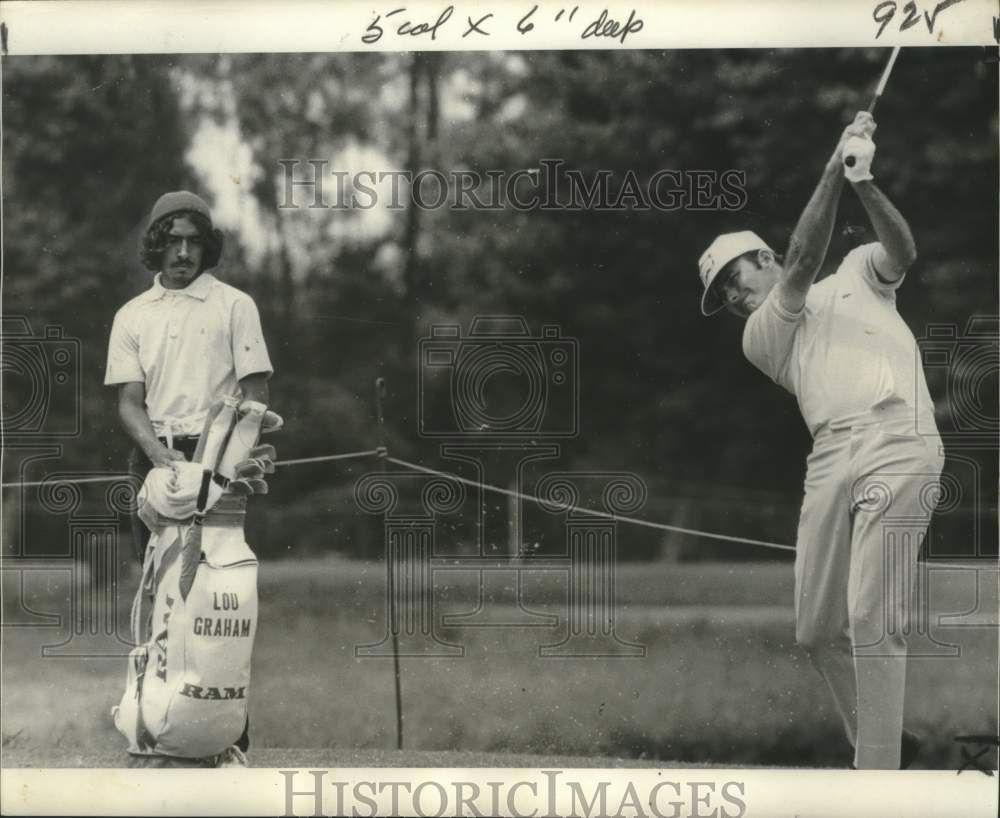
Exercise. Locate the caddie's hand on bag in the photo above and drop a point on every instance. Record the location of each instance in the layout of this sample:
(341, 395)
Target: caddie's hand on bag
(194, 617)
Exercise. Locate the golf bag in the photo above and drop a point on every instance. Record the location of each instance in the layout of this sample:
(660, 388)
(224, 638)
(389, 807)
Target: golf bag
(194, 617)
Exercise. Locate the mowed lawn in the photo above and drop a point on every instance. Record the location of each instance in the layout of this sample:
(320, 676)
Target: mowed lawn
(721, 680)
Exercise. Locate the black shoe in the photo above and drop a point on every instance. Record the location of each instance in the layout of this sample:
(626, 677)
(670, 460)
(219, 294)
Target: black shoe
(159, 762)
(909, 749)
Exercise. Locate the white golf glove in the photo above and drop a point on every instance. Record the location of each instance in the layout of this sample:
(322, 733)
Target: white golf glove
(858, 154)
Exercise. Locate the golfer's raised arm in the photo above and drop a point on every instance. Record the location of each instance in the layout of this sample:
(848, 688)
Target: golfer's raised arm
(808, 245)
(897, 250)
(811, 238)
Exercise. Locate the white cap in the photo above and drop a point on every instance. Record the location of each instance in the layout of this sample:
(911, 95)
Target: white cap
(719, 253)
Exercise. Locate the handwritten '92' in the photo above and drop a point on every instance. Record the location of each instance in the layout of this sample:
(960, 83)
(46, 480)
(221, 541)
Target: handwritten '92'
(406, 27)
(884, 12)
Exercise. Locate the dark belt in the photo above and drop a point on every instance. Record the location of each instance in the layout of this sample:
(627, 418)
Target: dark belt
(185, 444)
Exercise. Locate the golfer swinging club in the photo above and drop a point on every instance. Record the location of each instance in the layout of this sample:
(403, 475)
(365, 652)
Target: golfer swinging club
(842, 349)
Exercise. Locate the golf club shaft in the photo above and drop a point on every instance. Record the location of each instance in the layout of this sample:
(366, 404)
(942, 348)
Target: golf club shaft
(884, 79)
(849, 159)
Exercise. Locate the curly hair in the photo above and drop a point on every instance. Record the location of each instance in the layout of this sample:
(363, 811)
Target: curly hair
(154, 242)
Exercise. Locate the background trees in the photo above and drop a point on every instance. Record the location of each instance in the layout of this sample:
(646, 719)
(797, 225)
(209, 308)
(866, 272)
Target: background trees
(345, 295)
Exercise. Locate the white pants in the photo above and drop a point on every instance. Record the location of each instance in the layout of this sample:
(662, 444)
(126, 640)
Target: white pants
(870, 491)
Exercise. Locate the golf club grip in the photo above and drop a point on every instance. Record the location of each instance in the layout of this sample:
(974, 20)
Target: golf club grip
(849, 160)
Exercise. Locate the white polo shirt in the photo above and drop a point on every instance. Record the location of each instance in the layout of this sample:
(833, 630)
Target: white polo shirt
(847, 351)
(189, 347)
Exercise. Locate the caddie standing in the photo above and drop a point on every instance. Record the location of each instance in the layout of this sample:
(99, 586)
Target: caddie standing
(184, 342)
(178, 347)
(842, 349)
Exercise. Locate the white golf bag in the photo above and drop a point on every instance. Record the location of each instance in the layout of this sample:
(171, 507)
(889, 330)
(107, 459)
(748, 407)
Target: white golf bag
(194, 617)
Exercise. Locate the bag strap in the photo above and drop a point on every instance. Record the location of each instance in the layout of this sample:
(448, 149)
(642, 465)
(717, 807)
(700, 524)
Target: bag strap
(141, 622)
(142, 604)
(143, 593)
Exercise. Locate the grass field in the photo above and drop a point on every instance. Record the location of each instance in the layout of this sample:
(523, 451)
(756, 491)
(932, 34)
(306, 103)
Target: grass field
(721, 680)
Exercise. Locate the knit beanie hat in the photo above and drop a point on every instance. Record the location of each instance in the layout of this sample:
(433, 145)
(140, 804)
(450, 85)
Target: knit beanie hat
(175, 202)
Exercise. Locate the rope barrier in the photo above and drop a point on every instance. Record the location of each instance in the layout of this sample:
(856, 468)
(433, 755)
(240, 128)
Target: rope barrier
(73, 480)
(126, 475)
(607, 515)
(381, 452)
(327, 458)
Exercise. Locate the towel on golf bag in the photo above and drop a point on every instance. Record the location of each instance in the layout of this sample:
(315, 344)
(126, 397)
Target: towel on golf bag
(194, 617)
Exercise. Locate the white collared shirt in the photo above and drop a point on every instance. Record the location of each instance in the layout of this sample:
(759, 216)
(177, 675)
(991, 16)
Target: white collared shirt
(189, 348)
(846, 352)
